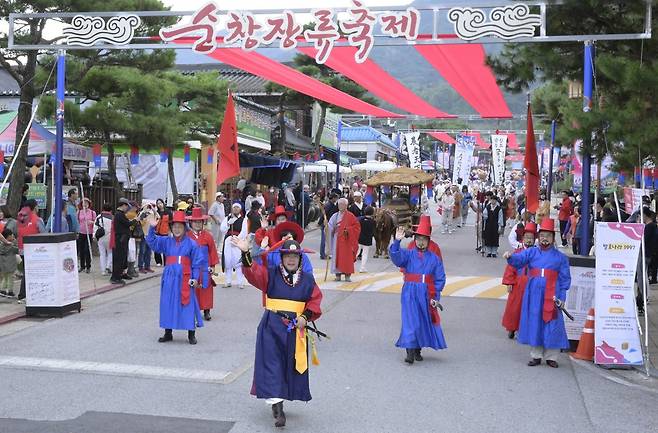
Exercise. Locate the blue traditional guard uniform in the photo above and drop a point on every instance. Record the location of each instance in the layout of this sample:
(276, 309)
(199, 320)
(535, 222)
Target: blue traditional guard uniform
(424, 279)
(179, 307)
(281, 363)
(542, 324)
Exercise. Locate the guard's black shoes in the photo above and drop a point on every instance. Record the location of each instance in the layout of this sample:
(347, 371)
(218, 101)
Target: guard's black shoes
(206, 315)
(510, 335)
(410, 356)
(191, 337)
(551, 363)
(166, 337)
(534, 362)
(279, 415)
(417, 355)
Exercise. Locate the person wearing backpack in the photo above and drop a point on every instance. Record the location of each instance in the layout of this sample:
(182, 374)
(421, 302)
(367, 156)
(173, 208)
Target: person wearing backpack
(86, 218)
(102, 228)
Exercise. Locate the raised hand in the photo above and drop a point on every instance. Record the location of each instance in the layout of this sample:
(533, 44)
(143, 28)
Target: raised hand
(399, 233)
(243, 244)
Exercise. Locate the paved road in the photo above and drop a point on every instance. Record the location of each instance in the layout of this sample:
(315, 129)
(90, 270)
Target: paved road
(103, 371)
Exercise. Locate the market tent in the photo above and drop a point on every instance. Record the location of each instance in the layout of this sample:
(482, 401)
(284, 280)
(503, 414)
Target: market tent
(331, 167)
(400, 176)
(375, 166)
(41, 141)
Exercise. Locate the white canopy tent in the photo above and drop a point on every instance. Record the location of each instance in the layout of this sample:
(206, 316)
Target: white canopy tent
(375, 166)
(330, 167)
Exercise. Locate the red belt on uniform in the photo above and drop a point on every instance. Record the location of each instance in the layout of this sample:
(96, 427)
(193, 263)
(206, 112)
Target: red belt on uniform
(549, 311)
(431, 291)
(185, 263)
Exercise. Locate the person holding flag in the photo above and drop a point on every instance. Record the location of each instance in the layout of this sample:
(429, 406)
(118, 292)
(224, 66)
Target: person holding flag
(542, 325)
(516, 280)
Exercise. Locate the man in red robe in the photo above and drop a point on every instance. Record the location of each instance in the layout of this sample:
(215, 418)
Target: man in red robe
(516, 280)
(344, 229)
(206, 243)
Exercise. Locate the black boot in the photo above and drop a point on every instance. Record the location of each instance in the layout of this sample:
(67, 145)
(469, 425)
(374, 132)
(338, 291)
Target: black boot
(166, 337)
(279, 415)
(417, 355)
(191, 337)
(510, 335)
(410, 356)
(206, 315)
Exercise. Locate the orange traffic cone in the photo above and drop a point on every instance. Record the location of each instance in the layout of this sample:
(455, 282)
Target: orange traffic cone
(585, 349)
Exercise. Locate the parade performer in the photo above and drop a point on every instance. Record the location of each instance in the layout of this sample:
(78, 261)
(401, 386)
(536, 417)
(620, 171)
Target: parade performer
(344, 229)
(292, 299)
(179, 307)
(433, 246)
(281, 233)
(542, 325)
(424, 278)
(206, 243)
(516, 280)
(234, 225)
(264, 235)
(493, 226)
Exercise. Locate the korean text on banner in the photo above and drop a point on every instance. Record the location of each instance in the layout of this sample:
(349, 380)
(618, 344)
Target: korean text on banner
(633, 199)
(498, 149)
(580, 297)
(617, 341)
(463, 158)
(412, 141)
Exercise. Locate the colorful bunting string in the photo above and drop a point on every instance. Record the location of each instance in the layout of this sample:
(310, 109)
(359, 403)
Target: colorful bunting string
(163, 154)
(2, 164)
(370, 195)
(134, 154)
(186, 153)
(211, 154)
(430, 190)
(96, 151)
(414, 194)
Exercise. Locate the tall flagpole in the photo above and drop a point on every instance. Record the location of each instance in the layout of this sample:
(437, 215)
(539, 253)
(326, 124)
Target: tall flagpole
(58, 167)
(338, 139)
(587, 158)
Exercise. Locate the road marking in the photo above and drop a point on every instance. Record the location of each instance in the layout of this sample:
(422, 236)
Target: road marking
(116, 369)
(391, 282)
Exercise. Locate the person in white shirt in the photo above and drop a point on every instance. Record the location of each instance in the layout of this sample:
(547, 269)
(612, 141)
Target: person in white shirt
(217, 215)
(233, 225)
(448, 205)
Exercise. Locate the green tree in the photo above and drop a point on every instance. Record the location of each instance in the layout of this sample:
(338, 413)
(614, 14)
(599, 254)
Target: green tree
(22, 65)
(623, 120)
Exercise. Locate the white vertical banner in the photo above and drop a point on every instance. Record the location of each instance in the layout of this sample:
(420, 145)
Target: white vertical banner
(412, 141)
(498, 149)
(463, 158)
(617, 340)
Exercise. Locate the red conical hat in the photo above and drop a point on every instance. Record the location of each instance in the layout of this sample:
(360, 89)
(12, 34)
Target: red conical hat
(547, 225)
(424, 227)
(288, 226)
(530, 227)
(280, 210)
(179, 217)
(197, 215)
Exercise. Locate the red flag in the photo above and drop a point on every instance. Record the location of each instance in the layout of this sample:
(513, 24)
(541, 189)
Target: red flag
(531, 168)
(227, 145)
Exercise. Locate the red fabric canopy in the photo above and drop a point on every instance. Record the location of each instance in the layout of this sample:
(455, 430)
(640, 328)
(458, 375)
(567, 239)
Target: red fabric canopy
(463, 66)
(443, 136)
(376, 80)
(478, 140)
(283, 75)
(272, 70)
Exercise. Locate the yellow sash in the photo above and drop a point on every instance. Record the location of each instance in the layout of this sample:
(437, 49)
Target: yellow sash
(297, 307)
